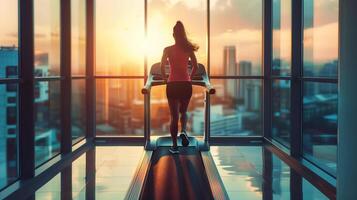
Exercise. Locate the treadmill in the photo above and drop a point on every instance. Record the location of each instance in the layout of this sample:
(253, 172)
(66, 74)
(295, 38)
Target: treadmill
(192, 173)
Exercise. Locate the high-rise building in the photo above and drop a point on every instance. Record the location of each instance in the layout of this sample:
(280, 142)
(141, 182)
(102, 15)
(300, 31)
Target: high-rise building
(8, 112)
(308, 36)
(245, 69)
(252, 95)
(230, 69)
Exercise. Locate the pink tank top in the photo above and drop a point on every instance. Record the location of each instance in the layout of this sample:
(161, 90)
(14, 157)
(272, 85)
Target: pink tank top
(178, 60)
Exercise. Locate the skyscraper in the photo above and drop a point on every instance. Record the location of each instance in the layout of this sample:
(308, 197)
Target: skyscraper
(8, 113)
(230, 69)
(245, 69)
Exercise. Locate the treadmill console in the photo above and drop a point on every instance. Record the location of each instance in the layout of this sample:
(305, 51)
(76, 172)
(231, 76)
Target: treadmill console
(156, 71)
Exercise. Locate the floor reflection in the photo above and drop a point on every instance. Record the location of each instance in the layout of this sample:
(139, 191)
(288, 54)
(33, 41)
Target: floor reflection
(248, 172)
(110, 171)
(254, 173)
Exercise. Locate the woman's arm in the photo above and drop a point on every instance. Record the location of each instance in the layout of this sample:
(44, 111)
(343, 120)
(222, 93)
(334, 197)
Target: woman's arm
(163, 63)
(194, 64)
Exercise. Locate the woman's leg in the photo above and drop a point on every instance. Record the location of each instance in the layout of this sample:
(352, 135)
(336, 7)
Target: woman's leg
(174, 111)
(184, 101)
(183, 111)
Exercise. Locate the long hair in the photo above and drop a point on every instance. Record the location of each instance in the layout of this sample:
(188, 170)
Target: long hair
(181, 38)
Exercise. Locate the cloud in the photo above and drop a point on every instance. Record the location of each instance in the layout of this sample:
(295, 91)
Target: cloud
(12, 35)
(40, 35)
(238, 13)
(323, 41)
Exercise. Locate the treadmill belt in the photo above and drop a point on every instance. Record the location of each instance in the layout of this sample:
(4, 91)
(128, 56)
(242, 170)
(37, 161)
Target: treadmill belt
(180, 176)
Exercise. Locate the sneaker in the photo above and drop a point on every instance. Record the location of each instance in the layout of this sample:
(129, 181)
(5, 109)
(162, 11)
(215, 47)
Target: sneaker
(184, 138)
(174, 150)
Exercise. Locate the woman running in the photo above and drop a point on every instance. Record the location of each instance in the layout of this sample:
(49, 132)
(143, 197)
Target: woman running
(179, 87)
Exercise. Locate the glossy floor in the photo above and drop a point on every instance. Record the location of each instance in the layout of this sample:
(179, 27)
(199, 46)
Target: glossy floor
(253, 173)
(247, 172)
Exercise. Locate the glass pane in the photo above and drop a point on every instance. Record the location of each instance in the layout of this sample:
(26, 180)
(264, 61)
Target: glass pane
(78, 109)
(47, 120)
(320, 124)
(281, 38)
(236, 37)
(160, 112)
(8, 39)
(310, 192)
(78, 23)
(119, 107)
(320, 38)
(162, 16)
(47, 37)
(9, 23)
(236, 108)
(8, 133)
(281, 178)
(120, 37)
(8, 62)
(281, 111)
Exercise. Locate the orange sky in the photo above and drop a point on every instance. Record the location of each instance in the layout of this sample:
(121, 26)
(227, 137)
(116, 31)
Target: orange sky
(121, 37)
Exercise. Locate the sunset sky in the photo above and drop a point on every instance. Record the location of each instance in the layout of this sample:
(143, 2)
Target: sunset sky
(121, 37)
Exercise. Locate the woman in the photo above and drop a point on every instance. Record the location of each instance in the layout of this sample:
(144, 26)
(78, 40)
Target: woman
(179, 87)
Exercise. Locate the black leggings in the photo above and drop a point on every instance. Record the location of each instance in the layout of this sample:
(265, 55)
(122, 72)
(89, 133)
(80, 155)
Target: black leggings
(178, 95)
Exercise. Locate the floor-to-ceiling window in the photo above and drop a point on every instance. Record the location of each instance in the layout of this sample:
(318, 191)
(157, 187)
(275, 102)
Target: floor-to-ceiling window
(236, 64)
(47, 79)
(320, 89)
(281, 71)
(162, 17)
(236, 67)
(120, 47)
(8, 92)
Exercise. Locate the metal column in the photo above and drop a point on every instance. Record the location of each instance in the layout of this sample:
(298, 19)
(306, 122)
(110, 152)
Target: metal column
(267, 62)
(90, 63)
(26, 90)
(296, 68)
(65, 63)
(347, 107)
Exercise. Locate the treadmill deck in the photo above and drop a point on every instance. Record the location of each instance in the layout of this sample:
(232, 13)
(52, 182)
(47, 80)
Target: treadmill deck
(179, 176)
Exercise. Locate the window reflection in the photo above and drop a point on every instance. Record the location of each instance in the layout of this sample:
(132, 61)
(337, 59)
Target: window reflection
(320, 26)
(119, 107)
(281, 178)
(47, 120)
(78, 109)
(320, 124)
(311, 193)
(281, 126)
(236, 108)
(281, 65)
(47, 37)
(320, 99)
